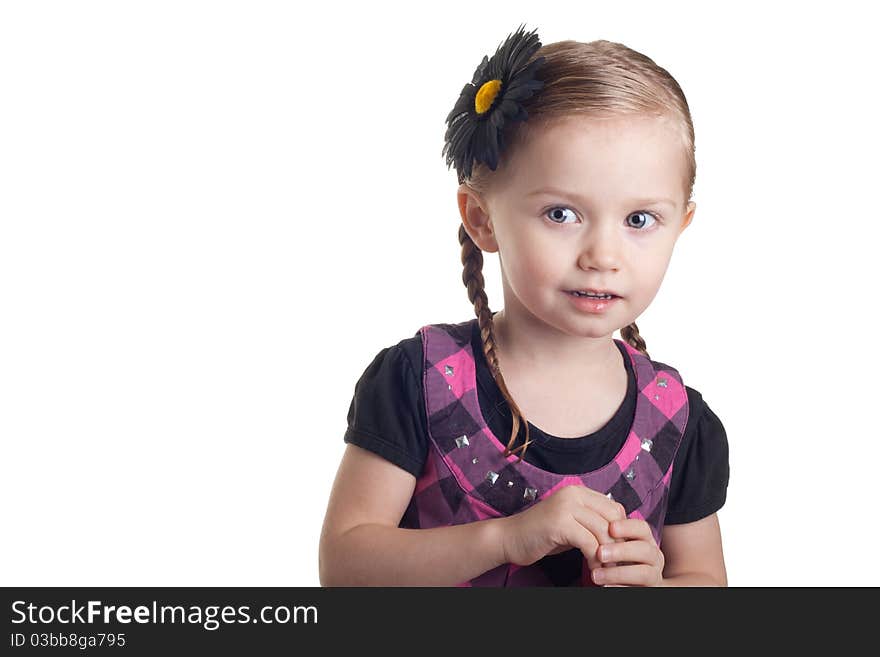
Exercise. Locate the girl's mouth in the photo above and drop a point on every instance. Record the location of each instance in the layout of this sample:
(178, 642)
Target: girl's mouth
(592, 304)
(591, 295)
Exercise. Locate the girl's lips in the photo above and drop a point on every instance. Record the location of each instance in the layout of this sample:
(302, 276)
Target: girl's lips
(595, 292)
(592, 305)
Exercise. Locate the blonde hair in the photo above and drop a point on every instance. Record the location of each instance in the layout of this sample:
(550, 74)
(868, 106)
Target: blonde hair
(599, 79)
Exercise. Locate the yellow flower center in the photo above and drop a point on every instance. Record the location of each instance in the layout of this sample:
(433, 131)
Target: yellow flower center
(486, 95)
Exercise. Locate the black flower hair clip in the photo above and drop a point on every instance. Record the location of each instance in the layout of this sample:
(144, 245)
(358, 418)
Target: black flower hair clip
(492, 99)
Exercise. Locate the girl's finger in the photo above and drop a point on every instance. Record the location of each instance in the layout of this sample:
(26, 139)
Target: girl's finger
(594, 522)
(601, 504)
(581, 536)
(637, 575)
(634, 551)
(631, 528)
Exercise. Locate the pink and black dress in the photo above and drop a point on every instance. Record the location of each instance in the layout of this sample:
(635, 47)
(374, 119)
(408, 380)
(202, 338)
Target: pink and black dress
(467, 478)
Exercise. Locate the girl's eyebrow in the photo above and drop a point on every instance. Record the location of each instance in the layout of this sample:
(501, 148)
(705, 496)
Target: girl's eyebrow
(560, 192)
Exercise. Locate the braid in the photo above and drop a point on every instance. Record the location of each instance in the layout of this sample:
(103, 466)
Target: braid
(630, 334)
(472, 277)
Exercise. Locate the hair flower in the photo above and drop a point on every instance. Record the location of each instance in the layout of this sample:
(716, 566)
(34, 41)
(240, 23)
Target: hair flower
(490, 101)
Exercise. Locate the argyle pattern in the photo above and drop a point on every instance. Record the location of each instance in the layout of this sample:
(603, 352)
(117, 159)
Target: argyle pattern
(467, 478)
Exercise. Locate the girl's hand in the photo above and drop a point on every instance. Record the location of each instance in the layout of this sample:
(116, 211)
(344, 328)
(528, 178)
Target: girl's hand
(573, 516)
(637, 561)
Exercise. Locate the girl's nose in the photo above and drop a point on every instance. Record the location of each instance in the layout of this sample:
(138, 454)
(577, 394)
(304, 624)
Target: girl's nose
(600, 248)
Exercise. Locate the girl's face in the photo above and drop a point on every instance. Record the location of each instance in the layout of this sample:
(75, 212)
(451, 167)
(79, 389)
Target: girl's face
(584, 204)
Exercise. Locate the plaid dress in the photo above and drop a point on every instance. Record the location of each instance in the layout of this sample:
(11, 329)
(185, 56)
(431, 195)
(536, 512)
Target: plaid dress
(467, 478)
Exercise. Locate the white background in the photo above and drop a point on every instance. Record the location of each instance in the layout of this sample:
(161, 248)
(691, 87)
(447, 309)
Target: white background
(213, 215)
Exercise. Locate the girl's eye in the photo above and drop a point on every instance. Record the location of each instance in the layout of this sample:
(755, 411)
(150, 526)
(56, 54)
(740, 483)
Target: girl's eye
(559, 213)
(557, 216)
(645, 213)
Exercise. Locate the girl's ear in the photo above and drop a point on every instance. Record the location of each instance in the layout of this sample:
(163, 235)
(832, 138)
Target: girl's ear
(688, 216)
(476, 219)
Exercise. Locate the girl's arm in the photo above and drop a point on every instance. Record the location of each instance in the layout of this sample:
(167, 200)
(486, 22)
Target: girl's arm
(693, 554)
(362, 545)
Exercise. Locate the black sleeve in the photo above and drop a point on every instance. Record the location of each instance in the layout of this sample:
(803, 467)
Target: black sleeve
(701, 471)
(387, 414)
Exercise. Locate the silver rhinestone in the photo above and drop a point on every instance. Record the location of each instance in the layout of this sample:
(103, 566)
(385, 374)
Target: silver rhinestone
(647, 443)
(609, 496)
(530, 493)
(656, 396)
(661, 383)
(637, 457)
(461, 441)
(492, 477)
(475, 460)
(509, 484)
(449, 370)
(630, 474)
(449, 386)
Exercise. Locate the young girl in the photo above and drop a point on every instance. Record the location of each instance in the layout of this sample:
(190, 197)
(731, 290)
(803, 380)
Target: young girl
(576, 165)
